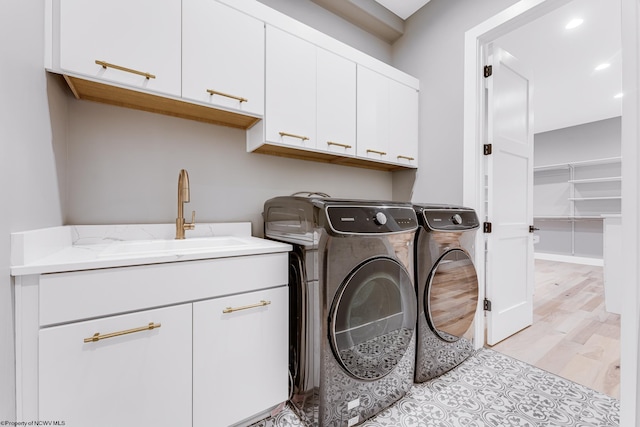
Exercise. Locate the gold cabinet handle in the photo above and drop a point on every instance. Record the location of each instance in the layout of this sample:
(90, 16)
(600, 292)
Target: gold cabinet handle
(382, 153)
(293, 135)
(406, 157)
(245, 307)
(126, 70)
(338, 144)
(238, 98)
(98, 337)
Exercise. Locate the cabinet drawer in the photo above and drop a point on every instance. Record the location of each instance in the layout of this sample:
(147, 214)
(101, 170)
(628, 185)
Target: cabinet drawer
(136, 379)
(65, 297)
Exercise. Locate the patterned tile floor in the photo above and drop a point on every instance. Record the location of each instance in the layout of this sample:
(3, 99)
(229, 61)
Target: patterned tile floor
(490, 389)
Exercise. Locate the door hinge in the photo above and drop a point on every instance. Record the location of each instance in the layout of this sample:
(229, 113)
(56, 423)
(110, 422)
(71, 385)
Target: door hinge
(488, 149)
(488, 70)
(487, 305)
(533, 228)
(486, 227)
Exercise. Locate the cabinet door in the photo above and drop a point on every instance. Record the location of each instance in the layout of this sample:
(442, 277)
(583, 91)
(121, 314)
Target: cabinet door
(139, 35)
(290, 116)
(336, 103)
(240, 358)
(222, 56)
(137, 379)
(373, 115)
(403, 124)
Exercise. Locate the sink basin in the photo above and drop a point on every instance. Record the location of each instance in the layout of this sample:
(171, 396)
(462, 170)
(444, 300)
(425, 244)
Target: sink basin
(198, 244)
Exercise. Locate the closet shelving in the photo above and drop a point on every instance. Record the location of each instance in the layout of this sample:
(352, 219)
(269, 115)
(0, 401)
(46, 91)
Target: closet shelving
(577, 192)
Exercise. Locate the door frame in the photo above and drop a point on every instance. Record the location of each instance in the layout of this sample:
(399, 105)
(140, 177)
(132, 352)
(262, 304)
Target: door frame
(476, 41)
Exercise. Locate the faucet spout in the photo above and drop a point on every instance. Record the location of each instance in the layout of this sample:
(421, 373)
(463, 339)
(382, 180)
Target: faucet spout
(184, 196)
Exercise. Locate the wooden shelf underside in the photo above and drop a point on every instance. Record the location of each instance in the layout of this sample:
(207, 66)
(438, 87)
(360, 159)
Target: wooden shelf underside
(296, 153)
(115, 95)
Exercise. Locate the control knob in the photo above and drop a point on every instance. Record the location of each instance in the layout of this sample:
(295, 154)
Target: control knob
(380, 218)
(456, 219)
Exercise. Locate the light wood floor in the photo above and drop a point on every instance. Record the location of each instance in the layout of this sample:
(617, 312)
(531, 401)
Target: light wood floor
(572, 335)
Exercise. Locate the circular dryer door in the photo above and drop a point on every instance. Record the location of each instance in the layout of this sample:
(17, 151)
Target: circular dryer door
(452, 295)
(373, 318)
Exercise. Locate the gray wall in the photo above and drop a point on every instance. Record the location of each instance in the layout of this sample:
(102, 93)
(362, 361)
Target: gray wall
(589, 141)
(432, 49)
(27, 158)
(595, 140)
(322, 20)
(64, 161)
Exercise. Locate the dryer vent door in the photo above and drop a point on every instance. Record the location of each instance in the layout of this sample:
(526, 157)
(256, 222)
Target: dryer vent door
(373, 318)
(451, 299)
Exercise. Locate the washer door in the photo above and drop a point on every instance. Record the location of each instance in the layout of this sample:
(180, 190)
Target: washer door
(451, 298)
(373, 318)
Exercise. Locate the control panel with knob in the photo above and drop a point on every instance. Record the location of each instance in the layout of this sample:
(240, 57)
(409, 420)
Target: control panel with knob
(380, 218)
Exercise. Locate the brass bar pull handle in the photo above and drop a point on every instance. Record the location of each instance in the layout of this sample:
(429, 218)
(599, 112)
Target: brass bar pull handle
(97, 336)
(338, 144)
(382, 153)
(238, 98)
(126, 70)
(293, 135)
(406, 157)
(245, 307)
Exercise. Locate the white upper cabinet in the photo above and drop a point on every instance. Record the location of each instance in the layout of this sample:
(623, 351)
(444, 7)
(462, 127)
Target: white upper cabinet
(135, 43)
(387, 119)
(373, 115)
(290, 113)
(222, 56)
(336, 103)
(403, 124)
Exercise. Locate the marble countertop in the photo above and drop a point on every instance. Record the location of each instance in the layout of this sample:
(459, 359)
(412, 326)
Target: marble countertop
(87, 247)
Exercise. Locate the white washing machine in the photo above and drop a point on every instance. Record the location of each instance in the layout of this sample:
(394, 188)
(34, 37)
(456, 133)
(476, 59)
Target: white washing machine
(446, 288)
(352, 304)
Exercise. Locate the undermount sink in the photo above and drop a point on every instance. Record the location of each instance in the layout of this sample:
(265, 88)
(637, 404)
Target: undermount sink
(197, 244)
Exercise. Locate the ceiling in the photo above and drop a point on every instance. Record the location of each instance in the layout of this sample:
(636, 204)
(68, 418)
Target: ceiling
(567, 88)
(403, 8)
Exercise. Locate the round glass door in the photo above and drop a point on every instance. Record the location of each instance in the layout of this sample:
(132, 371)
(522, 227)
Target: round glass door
(373, 317)
(451, 298)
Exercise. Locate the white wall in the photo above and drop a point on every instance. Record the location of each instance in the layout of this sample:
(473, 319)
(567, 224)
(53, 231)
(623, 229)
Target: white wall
(432, 49)
(31, 196)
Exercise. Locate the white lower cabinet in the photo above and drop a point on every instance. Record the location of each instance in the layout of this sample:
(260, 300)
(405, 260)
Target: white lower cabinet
(140, 378)
(240, 358)
(202, 343)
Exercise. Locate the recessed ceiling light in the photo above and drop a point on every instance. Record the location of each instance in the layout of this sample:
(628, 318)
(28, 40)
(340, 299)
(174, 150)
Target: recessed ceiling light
(574, 23)
(620, 95)
(603, 66)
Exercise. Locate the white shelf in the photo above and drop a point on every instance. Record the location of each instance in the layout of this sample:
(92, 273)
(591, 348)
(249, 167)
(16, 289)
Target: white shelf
(582, 199)
(568, 218)
(593, 180)
(593, 162)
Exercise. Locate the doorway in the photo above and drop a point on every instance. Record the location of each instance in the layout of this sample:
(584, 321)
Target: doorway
(576, 180)
(475, 42)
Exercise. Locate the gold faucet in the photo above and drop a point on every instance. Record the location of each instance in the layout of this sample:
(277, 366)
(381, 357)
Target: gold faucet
(183, 197)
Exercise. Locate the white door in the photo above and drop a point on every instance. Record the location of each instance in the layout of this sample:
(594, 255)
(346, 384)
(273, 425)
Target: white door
(136, 43)
(509, 262)
(240, 356)
(136, 374)
(336, 103)
(222, 56)
(290, 100)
